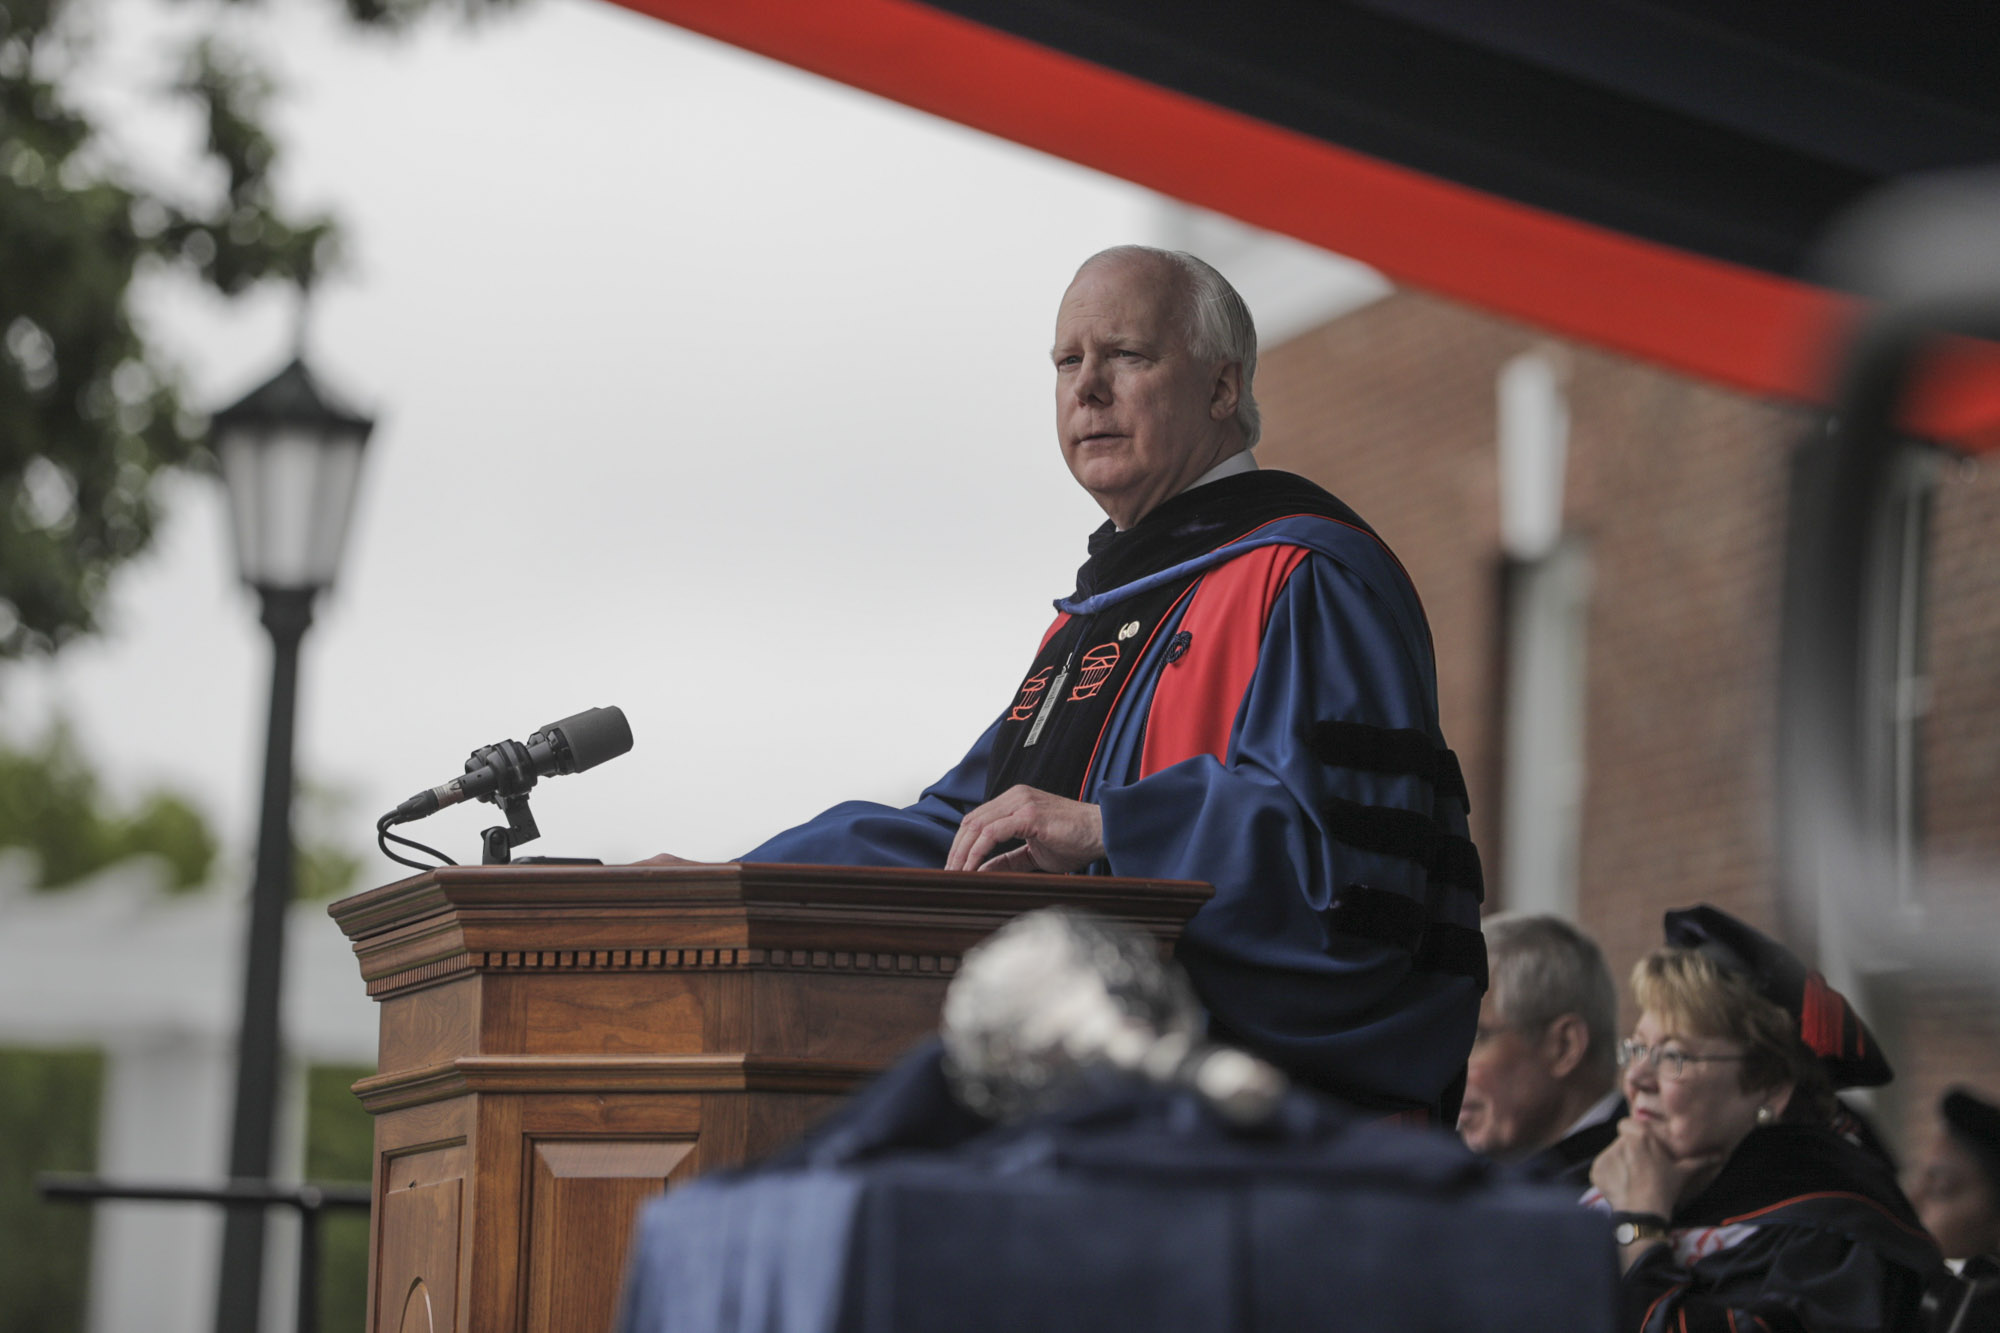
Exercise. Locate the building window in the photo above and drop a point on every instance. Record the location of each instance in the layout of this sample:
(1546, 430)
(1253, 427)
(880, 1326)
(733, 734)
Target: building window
(1896, 693)
(1546, 594)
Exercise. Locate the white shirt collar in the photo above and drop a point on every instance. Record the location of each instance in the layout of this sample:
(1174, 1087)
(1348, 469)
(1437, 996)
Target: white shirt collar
(1238, 462)
(1599, 1111)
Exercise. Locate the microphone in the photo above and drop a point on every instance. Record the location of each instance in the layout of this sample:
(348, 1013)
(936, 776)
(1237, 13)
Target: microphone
(510, 768)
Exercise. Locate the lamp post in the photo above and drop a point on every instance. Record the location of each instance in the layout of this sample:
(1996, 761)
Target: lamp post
(291, 458)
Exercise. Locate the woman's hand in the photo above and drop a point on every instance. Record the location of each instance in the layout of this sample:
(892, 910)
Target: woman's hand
(1635, 1173)
(1638, 1175)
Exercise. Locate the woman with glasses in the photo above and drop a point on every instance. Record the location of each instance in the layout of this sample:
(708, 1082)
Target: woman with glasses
(1742, 1196)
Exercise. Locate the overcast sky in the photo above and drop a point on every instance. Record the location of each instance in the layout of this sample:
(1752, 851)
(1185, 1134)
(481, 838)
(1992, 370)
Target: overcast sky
(706, 388)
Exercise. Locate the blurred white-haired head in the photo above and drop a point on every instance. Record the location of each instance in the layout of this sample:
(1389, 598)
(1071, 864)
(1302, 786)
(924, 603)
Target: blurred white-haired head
(1057, 993)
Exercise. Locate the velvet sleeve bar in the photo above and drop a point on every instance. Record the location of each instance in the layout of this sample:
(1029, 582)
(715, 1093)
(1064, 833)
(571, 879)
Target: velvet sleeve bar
(1271, 824)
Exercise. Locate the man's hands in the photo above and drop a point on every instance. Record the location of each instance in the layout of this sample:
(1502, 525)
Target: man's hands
(1060, 835)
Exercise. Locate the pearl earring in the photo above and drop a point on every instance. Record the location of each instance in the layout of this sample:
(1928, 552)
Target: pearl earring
(1765, 1115)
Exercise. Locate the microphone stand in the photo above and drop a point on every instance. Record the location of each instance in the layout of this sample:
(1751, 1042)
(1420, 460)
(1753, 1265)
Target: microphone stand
(497, 844)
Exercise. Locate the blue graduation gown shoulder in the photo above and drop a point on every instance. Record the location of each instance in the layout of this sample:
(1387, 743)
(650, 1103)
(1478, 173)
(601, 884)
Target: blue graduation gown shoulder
(1342, 938)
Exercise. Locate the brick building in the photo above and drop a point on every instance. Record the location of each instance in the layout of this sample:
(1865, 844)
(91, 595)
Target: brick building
(1600, 547)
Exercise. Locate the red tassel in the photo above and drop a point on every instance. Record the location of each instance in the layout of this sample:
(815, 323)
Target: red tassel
(1822, 1018)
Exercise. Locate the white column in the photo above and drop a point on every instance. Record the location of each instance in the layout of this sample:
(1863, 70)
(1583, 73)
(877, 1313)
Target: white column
(165, 1117)
(1548, 599)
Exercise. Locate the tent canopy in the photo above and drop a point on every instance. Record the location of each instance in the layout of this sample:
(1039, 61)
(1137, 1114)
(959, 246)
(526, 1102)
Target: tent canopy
(1646, 175)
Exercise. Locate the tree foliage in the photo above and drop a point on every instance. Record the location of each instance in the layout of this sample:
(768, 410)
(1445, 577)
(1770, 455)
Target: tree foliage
(90, 411)
(52, 803)
(90, 408)
(340, 1146)
(48, 1122)
(323, 867)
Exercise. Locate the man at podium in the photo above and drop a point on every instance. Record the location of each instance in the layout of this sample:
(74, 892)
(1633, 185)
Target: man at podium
(1240, 689)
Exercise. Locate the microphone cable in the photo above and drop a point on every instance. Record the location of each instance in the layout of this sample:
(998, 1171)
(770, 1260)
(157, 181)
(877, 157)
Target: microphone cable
(383, 838)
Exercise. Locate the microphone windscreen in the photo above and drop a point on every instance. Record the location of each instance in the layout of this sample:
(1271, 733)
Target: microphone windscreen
(592, 736)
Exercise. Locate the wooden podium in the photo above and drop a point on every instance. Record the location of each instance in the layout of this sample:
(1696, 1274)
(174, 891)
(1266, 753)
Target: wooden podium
(557, 1041)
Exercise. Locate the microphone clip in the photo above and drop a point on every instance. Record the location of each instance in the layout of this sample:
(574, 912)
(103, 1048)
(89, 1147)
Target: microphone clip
(497, 844)
(515, 768)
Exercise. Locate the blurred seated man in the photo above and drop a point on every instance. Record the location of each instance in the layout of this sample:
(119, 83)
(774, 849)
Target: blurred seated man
(1957, 1188)
(1956, 1191)
(1541, 1082)
(1240, 690)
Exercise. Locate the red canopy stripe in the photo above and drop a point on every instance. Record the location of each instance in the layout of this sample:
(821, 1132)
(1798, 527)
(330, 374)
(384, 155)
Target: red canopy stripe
(1739, 327)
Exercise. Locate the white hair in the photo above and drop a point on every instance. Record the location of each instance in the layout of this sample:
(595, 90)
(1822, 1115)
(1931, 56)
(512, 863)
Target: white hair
(1543, 967)
(1218, 327)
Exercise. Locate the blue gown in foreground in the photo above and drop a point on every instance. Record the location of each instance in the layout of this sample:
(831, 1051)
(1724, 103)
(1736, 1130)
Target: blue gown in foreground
(1131, 1207)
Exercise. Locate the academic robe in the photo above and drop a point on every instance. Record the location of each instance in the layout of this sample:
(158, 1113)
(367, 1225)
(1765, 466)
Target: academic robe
(1802, 1232)
(1128, 1206)
(1269, 726)
(1567, 1161)
(1967, 1302)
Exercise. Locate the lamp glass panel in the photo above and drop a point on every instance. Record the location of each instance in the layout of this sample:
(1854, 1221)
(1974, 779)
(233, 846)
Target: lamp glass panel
(339, 472)
(241, 452)
(287, 498)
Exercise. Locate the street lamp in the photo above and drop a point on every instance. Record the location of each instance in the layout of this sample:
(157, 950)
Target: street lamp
(291, 458)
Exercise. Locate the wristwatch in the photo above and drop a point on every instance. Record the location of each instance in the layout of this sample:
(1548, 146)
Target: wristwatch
(1628, 1227)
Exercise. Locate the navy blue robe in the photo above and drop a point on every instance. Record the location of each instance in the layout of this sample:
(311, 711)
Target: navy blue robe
(1129, 1207)
(1340, 943)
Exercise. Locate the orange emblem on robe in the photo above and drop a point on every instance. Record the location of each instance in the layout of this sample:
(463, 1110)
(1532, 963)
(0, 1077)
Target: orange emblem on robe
(1031, 694)
(1097, 664)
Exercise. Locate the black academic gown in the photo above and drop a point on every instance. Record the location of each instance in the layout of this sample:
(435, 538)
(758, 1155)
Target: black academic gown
(1567, 1161)
(1802, 1232)
(1968, 1302)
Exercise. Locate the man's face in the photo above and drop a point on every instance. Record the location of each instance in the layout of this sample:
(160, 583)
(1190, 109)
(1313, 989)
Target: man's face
(1955, 1200)
(1513, 1100)
(1137, 415)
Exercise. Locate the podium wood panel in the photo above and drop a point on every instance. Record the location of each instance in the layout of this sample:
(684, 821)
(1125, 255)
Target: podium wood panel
(556, 1041)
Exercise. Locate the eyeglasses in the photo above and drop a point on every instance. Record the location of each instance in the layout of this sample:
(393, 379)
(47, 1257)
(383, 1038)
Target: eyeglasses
(1670, 1061)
